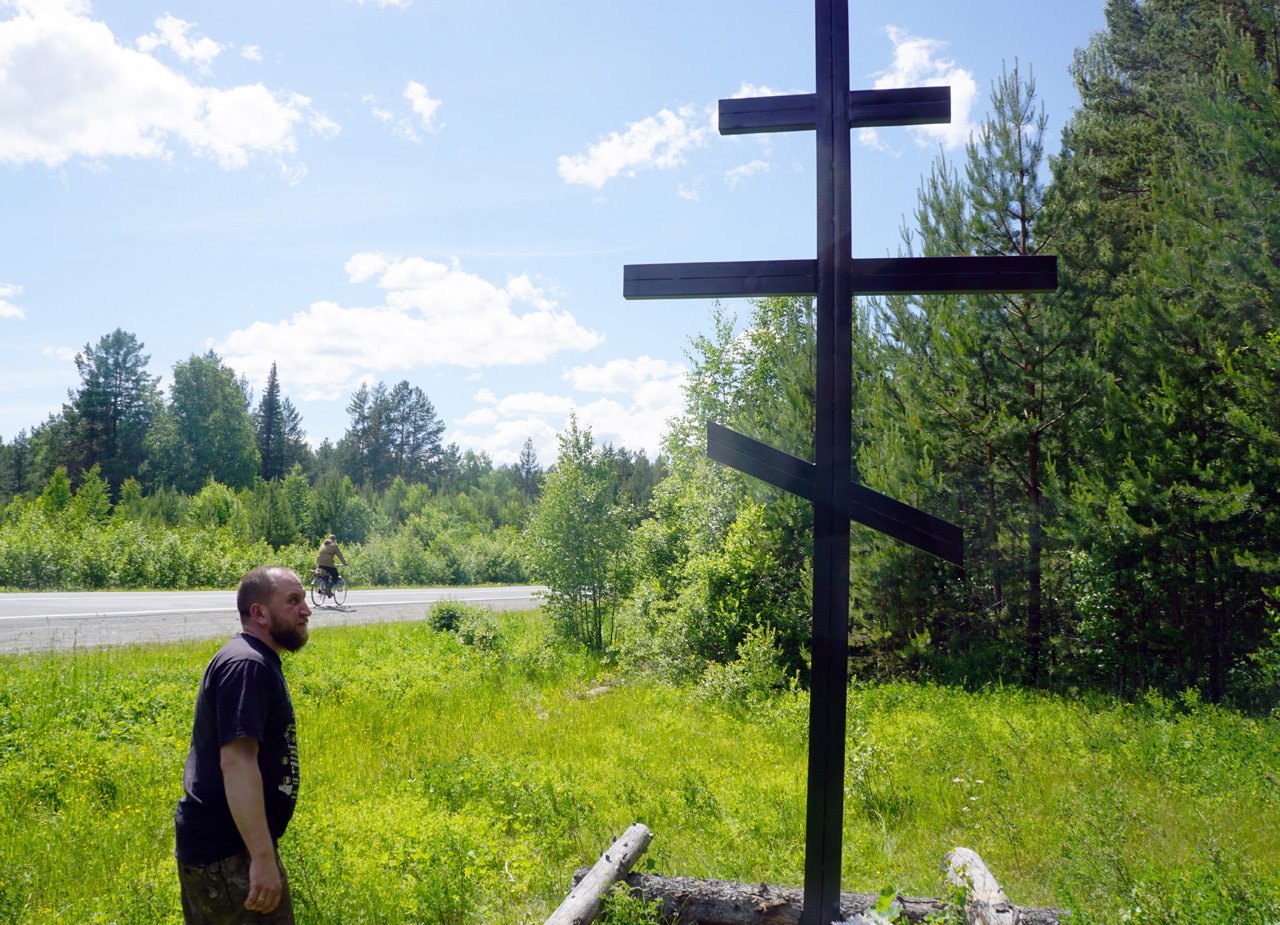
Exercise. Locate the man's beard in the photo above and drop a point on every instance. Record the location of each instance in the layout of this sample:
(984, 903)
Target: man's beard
(291, 639)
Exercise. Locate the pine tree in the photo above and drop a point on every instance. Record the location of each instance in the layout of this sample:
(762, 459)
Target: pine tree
(108, 416)
(413, 433)
(205, 432)
(1180, 522)
(993, 381)
(15, 466)
(393, 432)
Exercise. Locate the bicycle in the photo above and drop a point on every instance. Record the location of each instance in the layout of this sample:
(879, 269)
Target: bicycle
(322, 589)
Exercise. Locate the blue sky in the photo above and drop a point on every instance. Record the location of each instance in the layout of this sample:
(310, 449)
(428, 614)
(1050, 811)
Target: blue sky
(442, 191)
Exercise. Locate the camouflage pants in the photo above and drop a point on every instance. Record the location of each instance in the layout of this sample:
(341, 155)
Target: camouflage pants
(214, 894)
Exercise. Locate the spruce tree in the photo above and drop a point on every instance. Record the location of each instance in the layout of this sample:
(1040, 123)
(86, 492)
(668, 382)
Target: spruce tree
(269, 425)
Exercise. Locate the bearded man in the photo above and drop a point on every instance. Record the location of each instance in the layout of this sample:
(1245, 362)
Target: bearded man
(240, 782)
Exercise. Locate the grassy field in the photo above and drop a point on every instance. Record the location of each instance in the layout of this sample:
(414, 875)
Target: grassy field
(453, 778)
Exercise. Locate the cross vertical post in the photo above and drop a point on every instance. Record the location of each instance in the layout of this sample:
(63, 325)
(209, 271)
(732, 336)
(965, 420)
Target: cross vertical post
(824, 817)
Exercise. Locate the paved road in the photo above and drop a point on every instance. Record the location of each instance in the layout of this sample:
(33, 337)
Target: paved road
(56, 620)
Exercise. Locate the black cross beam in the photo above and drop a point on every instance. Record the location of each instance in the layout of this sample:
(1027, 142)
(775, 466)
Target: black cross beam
(835, 277)
(868, 276)
(870, 508)
(867, 109)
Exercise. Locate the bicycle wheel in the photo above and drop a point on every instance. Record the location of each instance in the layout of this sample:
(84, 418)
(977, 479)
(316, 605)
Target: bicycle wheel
(317, 590)
(339, 591)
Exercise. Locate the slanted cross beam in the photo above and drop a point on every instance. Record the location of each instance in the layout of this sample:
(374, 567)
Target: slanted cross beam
(835, 277)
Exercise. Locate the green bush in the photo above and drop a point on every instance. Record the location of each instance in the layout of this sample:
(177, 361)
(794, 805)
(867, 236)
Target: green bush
(622, 907)
(474, 625)
(479, 629)
(45, 548)
(753, 677)
(654, 637)
(447, 615)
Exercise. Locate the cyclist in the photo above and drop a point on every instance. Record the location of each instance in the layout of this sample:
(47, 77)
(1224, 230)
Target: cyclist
(324, 560)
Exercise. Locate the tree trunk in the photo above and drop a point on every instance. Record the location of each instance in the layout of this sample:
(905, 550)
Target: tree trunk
(1034, 561)
(582, 904)
(993, 538)
(985, 903)
(717, 902)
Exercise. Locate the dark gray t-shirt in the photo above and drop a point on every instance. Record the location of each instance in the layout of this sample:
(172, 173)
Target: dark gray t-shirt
(243, 694)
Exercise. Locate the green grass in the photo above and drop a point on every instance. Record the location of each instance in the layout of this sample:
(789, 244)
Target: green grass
(446, 782)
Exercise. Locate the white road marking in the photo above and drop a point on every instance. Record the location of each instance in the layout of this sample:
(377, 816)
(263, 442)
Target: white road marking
(223, 609)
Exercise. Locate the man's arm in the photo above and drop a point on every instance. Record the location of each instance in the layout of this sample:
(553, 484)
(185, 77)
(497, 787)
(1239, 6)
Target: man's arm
(243, 782)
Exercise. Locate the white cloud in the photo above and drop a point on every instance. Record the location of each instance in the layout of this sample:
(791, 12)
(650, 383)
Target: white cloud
(406, 127)
(736, 175)
(629, 425)
(870, 138)
(689, 191)
(251, 52)
(535, 403)
(654, 391)
(71, 90)
(642, 395)
(504, 440)
(8, 309)
(401, 4)
(748, 90)
(625, 375)
(918, 62)
(481, 416)
(171, 33)
(658, 142)
(66, 354)
(364, 266)
(422, 104)
(431, 314)
(317, 121)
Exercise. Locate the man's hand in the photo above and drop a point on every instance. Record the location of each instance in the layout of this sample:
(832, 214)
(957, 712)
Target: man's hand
(265, 884)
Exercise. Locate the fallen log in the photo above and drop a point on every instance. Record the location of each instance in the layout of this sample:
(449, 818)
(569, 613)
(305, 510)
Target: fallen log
(582, 904)
(984, 903)
(718, 902)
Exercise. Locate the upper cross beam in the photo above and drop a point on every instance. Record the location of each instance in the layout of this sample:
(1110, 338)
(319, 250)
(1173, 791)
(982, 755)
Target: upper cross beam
(866, 109)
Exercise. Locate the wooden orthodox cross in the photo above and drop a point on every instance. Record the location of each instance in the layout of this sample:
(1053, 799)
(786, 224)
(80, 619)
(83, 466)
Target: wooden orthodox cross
(835, 278)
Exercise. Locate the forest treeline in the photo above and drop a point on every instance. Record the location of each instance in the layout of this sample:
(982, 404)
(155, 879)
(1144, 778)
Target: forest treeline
(1112, 450)
(127, 488)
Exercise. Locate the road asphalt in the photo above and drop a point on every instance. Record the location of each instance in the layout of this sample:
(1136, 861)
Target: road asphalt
(40, 621)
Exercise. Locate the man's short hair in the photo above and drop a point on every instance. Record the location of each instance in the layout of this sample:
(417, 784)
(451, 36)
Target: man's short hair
(256, 587)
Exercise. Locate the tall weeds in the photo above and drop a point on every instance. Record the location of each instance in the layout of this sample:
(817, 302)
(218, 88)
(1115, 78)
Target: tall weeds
(447, 782)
